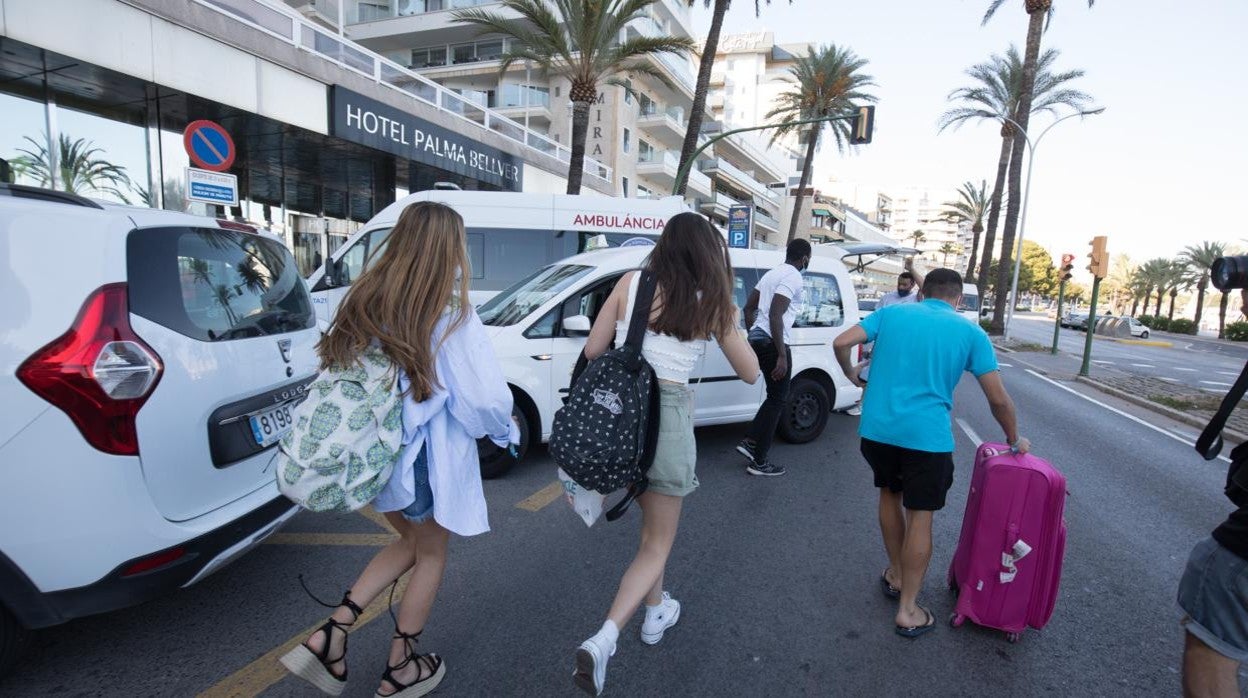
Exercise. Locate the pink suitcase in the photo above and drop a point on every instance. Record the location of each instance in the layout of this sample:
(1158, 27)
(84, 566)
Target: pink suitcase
(1009, 559)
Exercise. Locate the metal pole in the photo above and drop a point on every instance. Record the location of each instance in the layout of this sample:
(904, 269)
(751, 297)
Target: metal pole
(682, 174)
(1057, 324)
(1087, 342)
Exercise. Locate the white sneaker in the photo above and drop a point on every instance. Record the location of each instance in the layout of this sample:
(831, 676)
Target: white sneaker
(659, 619)
(854, 411)
(591, 665)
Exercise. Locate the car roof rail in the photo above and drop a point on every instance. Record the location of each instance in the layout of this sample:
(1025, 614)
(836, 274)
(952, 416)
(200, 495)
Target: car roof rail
(21, 191)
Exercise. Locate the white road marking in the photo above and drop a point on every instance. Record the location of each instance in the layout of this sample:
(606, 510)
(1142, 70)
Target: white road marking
(970, 433)
(1221, 385)
(1006, 365)
(1117, 411)
(1185, 370)
(1107, 363)
(1144, 365)
(1228, 373)
(1168, 380)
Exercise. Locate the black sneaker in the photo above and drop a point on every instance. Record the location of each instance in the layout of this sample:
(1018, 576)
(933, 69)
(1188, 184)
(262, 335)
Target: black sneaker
(746, 448)
(766, 469)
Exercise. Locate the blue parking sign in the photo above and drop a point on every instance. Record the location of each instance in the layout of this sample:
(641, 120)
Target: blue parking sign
(740, 219)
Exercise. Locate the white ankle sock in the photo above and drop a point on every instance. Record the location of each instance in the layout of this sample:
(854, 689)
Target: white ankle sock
(609, 632)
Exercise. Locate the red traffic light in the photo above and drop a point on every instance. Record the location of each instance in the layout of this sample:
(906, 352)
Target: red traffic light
(1067, 259)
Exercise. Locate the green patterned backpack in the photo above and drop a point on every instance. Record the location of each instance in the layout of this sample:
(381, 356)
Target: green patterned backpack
(346, 437)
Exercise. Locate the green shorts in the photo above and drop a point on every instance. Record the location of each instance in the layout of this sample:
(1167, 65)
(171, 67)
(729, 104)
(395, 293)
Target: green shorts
(676, 454)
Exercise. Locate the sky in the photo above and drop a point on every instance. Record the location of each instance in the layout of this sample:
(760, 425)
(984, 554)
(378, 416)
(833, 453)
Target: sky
(1160, 169)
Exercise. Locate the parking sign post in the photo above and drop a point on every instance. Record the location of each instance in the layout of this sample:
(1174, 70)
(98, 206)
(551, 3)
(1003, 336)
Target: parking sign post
(740, 219)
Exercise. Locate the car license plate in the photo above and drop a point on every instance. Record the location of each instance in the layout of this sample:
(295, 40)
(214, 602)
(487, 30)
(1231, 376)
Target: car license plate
(268, 427)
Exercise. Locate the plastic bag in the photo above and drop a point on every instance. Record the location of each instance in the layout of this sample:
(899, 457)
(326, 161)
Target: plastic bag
(586, 503)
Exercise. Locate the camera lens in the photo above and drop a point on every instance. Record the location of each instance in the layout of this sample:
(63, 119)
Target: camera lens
(1229, 272)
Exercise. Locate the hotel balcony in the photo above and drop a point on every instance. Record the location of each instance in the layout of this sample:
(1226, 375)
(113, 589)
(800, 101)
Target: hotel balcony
(738, 178)
(666, 126)
(661, 166)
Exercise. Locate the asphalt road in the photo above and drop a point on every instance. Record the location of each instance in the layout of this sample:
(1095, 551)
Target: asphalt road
(777, 578)
(1207, 364)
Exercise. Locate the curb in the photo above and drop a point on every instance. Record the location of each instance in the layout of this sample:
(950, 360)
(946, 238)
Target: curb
(1228, 433)
(1142, 342)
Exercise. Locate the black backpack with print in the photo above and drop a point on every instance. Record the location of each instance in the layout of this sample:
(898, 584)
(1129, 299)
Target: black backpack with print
(605, 435)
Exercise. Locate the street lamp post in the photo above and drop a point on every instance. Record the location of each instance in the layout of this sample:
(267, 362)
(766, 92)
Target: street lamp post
(1022, 224)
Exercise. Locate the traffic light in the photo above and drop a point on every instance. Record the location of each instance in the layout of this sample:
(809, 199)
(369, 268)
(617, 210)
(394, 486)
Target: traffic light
(863, 126)
(1068, 265)
(1099, 264)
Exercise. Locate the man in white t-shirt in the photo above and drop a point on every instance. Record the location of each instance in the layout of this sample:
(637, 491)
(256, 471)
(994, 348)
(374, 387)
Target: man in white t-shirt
(769, 313)
(907, 291)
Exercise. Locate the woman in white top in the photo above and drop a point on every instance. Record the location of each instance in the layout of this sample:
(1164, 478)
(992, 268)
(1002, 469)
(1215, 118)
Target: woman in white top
(413, 302)
(692, 303)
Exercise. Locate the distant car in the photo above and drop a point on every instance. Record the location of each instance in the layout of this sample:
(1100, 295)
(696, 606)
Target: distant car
(1075, 320)
(1138, 329)
(866, 306)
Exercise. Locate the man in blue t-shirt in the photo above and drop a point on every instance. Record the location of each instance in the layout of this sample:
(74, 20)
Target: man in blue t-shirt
(921, 351)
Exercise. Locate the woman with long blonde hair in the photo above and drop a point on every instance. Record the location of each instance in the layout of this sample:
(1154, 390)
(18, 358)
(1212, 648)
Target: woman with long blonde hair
(413, 303)
(692, 304)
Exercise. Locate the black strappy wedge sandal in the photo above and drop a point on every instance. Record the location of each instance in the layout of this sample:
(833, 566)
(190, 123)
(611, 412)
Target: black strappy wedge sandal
(429, 664)
(313, 666)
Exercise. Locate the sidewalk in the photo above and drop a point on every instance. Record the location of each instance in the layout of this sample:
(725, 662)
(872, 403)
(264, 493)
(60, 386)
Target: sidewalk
(1179, 402)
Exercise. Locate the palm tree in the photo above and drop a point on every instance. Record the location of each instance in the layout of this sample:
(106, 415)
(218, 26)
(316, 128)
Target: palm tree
(693, 129)
(946, 249)
(1141, 288)
(1222, 316)
(1199, 259)
(829, 82)
(78, 167)
(918, 236)
(1180, 278)
(1037, 11)
(579, 42)
(994, 95)
(971, 207)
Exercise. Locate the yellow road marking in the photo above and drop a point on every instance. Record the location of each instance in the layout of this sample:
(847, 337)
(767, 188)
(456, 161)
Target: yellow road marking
(373, 539)
(541, 498)
(376, 517)
(254, 678)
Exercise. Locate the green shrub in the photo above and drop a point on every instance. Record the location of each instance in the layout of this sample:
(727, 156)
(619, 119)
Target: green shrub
(1146, 320)
(1161, 324)
(1183, 326)
(987, 325)
(1237, 331)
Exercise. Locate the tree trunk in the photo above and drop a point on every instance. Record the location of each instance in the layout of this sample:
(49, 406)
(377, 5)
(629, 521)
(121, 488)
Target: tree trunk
(1200, 299)
(976, 231)
(694, 127)
(994, 209)
(1222, 316)
(1161, 293)
(1135, 306)
(580, 128)
(806, 176)
(1035, 29)
(1174, 292)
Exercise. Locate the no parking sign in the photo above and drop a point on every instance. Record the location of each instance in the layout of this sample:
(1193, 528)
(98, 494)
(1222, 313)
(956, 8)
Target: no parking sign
(209, 145)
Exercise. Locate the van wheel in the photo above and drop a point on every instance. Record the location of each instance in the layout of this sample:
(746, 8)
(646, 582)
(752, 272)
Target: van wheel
(12, 640)
(1144, 334)
(495, 461)
(806, 413)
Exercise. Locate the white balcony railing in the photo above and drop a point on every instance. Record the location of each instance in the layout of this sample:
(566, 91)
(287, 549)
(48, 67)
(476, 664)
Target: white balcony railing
(749, 181)
(677, 65)
(360, 11)
(283, 23)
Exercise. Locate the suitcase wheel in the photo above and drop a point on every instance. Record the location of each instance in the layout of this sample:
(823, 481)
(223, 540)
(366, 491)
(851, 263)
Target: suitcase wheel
(956, 620)
(1013, 638)
(953, 586)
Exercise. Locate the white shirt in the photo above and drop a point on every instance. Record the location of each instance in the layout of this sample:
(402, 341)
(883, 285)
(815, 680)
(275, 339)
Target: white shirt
(671, 359)
(471, 401)
(894, 298)
(786, 281)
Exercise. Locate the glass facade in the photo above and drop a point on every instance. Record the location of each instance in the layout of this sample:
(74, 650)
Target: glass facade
(80, 128)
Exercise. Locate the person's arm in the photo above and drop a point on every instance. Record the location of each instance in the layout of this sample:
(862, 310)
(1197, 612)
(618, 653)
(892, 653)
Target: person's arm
(1003, 410)
(750, 311)
(477, 393)
(740, 356)
(844, 347)
(603, 331)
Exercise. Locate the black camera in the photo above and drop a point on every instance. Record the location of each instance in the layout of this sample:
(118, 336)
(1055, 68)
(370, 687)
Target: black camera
(1229, 273)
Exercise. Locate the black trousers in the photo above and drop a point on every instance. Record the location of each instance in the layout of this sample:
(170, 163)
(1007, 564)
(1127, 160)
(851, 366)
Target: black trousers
(763, 429)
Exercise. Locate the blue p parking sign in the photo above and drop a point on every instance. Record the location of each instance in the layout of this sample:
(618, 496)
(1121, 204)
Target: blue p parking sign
(740, 219)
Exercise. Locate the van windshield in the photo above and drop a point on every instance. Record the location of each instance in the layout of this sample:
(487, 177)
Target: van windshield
(970, 302)
(529, 294)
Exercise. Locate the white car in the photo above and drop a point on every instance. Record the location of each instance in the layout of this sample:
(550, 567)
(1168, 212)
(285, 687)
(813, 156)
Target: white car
(1138, 329)
(149, 362)
(538, 328)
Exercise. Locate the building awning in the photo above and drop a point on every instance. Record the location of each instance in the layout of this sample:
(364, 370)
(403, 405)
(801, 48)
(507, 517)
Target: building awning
(821, 212)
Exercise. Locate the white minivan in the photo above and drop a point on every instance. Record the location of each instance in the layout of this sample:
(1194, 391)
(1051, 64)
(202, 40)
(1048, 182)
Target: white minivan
(539, 325)
(968, 306)
(509, 235)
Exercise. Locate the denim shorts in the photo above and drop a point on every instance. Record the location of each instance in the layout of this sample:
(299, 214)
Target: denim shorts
(421, 508)
(1214, 594)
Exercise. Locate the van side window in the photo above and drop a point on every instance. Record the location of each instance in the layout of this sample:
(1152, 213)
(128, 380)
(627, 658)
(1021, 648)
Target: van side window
(361, 256)
(821, 305)
(590, 301)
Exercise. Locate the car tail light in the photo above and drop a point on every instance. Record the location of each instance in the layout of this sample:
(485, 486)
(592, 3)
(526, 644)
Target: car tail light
(99, 372)
(154, 561)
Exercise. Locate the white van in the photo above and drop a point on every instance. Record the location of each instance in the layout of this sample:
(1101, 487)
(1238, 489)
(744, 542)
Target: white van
(539, 327)
(968, 307)
(509, 236)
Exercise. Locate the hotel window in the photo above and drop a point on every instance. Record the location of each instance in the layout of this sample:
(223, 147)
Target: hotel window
(625, 187)
(627, 136)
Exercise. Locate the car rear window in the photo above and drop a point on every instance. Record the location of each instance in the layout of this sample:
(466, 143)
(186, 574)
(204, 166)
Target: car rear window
(216, 285)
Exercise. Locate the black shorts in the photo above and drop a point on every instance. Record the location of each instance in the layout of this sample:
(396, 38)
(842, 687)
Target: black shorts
(922, 477)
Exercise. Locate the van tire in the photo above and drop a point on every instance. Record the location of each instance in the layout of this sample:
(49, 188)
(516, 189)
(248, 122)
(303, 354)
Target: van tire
(495, 461)
(1144, 334)
(12, 640)
(806, 412)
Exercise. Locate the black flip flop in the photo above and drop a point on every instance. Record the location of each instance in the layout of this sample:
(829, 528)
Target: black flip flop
(912, 633)
(889, 590)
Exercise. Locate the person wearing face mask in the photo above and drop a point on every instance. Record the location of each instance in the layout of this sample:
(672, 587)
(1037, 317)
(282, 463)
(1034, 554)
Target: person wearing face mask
(908, 286)
(769, 313)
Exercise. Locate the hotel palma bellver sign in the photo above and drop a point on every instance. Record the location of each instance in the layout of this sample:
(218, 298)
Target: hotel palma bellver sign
(366, 121)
